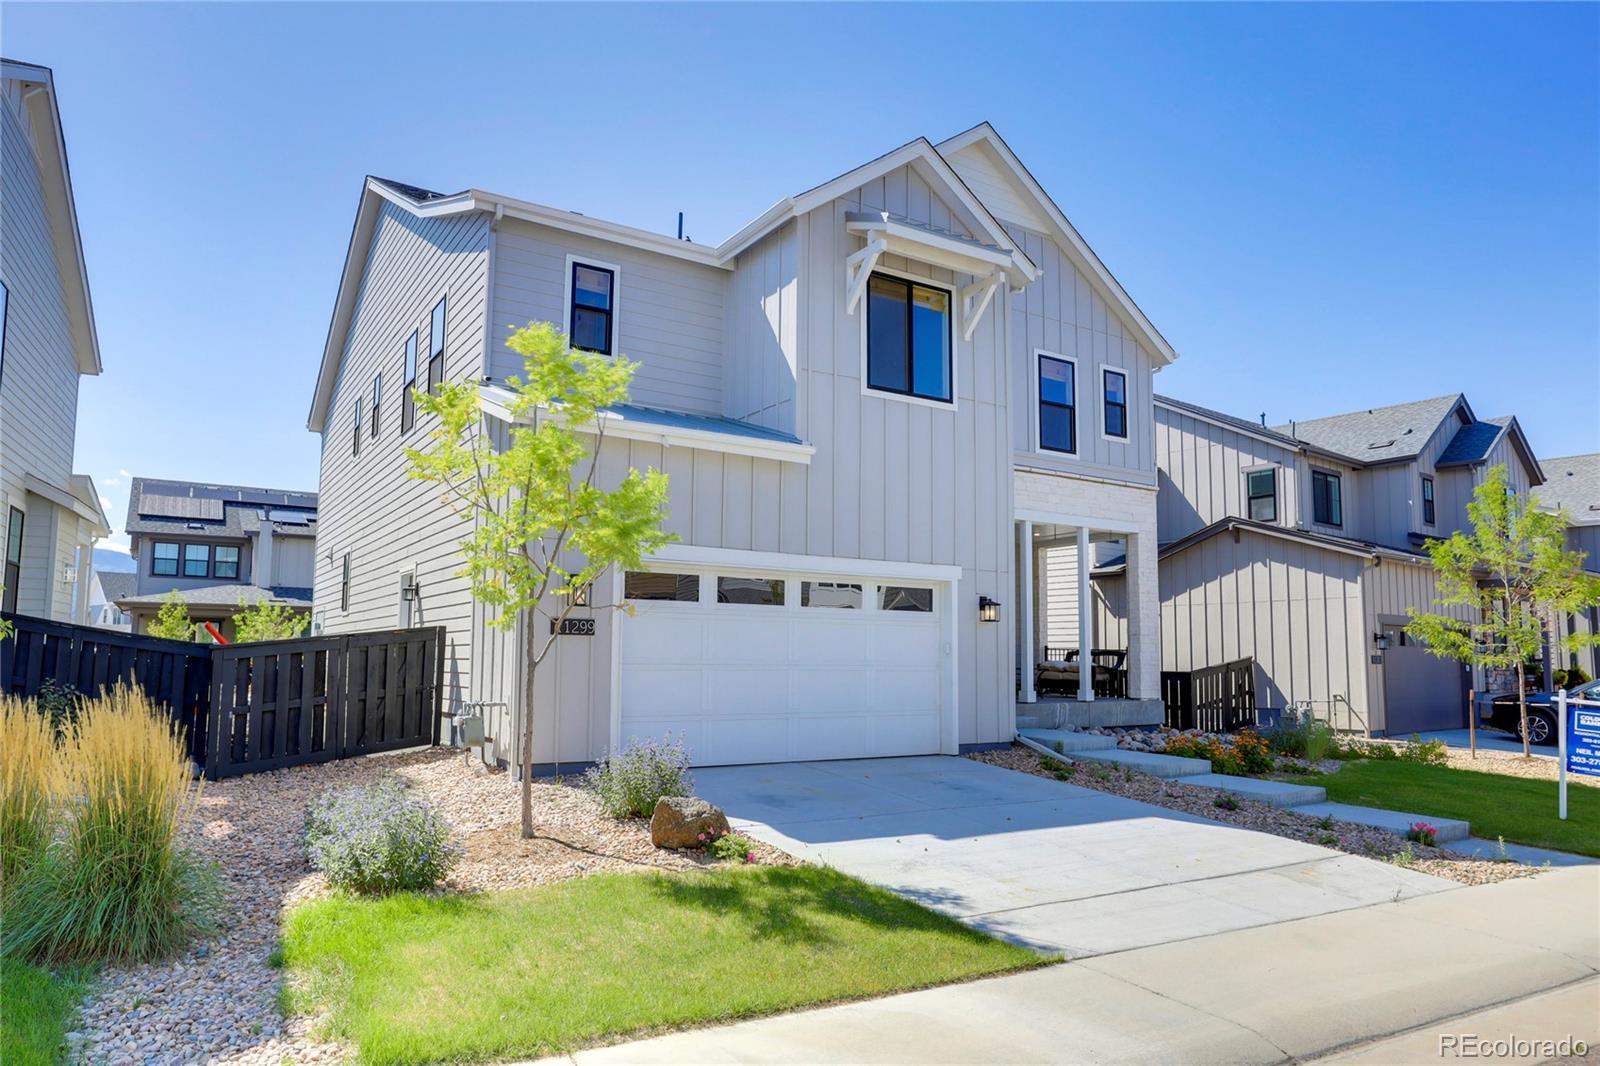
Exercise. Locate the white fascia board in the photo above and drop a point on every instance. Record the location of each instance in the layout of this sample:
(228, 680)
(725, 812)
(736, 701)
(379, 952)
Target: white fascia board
(497, 402)
(615, 232)
(65, 499)
(1079, 250)
(820, 565)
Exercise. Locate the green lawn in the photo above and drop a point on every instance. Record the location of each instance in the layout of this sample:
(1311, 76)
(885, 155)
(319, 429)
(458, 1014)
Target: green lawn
(413, 978)
(1520, 809)
(36, 1009)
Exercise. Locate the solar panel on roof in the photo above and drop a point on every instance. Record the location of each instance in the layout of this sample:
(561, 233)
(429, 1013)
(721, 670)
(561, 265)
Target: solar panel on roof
(153, 505)
(289, 518)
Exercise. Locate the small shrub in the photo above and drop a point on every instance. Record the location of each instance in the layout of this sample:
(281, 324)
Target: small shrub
(172, 622)
(630, 782)
(1226, 800)
(1328, 840)
(1426, 752)
(377, 839)
(58, 702)
(30, 784)
(1252, 752)
(1423, 834)
(1060, 748)
(731, 847)
(1405, 857)
(1325, 822)
(117, 884)
(267, 621)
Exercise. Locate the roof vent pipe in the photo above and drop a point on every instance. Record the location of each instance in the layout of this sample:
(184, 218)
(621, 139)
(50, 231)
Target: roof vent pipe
(1263, 420)
(680, 225)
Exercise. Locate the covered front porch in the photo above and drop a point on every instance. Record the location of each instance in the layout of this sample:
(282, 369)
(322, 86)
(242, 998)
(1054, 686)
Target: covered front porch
(1087, 651)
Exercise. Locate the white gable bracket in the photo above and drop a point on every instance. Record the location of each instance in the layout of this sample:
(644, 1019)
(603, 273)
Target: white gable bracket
(858, 268)
(975, 300)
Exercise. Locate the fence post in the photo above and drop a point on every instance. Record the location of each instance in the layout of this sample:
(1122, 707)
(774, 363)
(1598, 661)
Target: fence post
(438, 683)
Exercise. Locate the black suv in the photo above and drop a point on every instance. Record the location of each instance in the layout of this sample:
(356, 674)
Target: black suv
(1503, 713)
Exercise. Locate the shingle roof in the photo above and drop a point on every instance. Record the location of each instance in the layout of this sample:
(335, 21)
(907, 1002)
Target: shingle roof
(1573, 485)
(1242, 424)
(160, 506)
(415, 192)
(655, 416)
(1472, 442)
(227, 595)
(115, 584)
(1376, 435)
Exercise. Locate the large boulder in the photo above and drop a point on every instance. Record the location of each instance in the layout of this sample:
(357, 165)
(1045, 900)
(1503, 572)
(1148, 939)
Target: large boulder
(685, 822)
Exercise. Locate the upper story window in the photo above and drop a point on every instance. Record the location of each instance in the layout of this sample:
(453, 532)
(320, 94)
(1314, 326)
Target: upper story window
(1261, 491)
(355, 438)
(5, 306)
(408, 404)
(377, 402)
(197, 560)
(1058, 405)
(164, 559)
(1115, 404)
(436, 347)
(344, 584)
(591, 307)
(13, 570)
(1327, 508)
(908, 338)
(1428, 513)
(225, 561)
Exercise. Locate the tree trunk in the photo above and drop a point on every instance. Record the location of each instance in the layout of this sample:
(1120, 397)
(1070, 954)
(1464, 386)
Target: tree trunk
(1522, 710)
(530, 665)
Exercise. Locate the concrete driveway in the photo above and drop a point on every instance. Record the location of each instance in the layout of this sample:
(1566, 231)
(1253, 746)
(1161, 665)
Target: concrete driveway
(1053, 866)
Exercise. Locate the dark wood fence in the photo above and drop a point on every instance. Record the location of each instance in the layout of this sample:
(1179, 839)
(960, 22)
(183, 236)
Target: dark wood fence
(174, 673)
(251, 707)
(1218, 699)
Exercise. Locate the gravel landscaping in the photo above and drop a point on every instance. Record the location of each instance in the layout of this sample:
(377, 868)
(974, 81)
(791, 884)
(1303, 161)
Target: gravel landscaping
(1250, 814)
(218, 1002)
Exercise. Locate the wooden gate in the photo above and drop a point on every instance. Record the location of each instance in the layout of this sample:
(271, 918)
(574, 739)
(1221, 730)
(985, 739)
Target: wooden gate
(1217, 699)
(290, 702)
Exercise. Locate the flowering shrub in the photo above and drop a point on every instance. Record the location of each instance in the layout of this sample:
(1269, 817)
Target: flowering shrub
(377, 838)
(629, 782)
(729, 847)
(1245, 753)
(1253, 752)
(1423, 834)
(1298, 734)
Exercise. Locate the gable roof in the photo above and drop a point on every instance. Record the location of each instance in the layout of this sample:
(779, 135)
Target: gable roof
(1227, 421)
(1574, 486)
(1066, 235)
(116, 584)
(1378, 434)
(50, 148)
(191, 507)
(1472, 442)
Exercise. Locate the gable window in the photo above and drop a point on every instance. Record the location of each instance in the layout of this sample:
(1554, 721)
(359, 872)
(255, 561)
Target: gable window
(408, 403)
(1428, 513)
(377, 402)
(436, 348)
(13, 572)
(344, 584)
(1327, 509)
(908, 338)
(164, 560)
(197, 560)
(1261, 489)
(1058, 405)
(1115, 404)
(225, 561)
(355, 440)
(591, 307)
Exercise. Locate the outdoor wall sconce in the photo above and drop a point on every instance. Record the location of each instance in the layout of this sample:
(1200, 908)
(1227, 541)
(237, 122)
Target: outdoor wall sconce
(988, 610)
(1381, 641)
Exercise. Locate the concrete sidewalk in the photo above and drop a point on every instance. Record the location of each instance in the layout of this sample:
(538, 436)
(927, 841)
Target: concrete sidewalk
(1268, 994)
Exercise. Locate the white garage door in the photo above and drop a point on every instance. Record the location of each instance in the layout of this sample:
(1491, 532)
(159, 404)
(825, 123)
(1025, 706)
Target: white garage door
(769, 668)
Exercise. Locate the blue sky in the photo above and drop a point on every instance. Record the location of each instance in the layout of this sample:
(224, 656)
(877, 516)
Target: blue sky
(1322, 207)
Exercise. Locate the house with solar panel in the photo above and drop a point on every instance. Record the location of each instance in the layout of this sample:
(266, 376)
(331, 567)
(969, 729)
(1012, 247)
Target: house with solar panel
(221, 547)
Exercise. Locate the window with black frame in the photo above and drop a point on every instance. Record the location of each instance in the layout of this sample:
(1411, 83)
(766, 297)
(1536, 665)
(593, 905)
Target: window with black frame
(164, 559)
(377, 402)
(593, 299)
(908, 338)
(1058, 405)
(408, 403)
(355, 438)
(436, 347)
(225, 561)
(197, 560)
(1428, 513)
(13, 570)
(344, 584)
(1327, 507)
(1261, 491)
(1115, 404)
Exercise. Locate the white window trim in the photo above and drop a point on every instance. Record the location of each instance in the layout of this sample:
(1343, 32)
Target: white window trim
(1127, 407)
(951, 288)
(1277, 490)
(616, 298)
(1035, 402)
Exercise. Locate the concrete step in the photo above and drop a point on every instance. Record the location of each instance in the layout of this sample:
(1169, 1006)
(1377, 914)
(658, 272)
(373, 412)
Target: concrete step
(1479, 848)
(1071, 743)
(1145, 762)
(1276, 793)
(1396, 822)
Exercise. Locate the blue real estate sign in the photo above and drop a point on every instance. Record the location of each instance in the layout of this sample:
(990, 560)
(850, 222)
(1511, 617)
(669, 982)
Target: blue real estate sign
(1583, 740)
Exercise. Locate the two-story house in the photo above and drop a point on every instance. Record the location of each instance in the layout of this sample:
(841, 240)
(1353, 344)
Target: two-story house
(1574, 489)
(220, 547)
(878, 405)
(50, 517)
(1300, 546)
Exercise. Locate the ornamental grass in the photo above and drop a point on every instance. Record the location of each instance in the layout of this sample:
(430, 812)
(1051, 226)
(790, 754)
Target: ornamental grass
(30, 789)
(117, 883)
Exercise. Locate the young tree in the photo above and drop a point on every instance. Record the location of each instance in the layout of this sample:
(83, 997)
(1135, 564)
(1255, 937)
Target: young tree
(1512, 572)
(172, 621)
(542, 529)
(267, 621)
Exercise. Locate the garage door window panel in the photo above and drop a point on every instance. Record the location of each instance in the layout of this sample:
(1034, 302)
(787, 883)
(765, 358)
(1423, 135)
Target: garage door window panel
(831, 594)
(646, 585)
(905, 598)
(763, 591)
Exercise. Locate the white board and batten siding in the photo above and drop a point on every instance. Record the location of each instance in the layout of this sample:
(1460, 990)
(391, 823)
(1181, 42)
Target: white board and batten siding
(368, 506)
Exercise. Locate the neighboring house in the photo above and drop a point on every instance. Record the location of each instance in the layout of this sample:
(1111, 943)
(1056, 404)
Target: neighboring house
(1574, 487)
(1301, 547)
(109, 587)
(220, 546)
(49, 516)
(878, 405)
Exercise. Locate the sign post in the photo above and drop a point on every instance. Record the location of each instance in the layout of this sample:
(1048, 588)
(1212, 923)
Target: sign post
(1561, 751)
(1578, 725)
